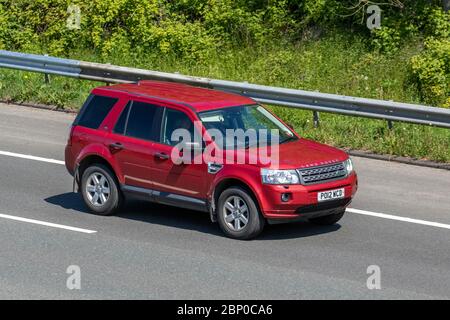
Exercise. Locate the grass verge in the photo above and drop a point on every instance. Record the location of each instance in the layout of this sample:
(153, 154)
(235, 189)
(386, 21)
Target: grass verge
(338, 64)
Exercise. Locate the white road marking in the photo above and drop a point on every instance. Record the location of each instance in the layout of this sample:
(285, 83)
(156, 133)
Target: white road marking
(48, 224)
(25, 156)
(357, 211)
(398, 218)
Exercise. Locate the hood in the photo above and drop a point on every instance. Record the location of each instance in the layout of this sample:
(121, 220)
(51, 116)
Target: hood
(301, 153)
(305, 153)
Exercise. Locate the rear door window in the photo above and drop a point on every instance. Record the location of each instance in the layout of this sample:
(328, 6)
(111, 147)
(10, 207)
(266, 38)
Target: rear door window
(142, 121)
(94, 111)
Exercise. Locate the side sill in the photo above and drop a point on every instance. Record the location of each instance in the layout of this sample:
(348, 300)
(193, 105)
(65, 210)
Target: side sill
(172, 199)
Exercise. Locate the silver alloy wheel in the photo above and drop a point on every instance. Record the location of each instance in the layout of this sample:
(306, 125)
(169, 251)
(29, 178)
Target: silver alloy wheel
(97, 189)
(235, 213)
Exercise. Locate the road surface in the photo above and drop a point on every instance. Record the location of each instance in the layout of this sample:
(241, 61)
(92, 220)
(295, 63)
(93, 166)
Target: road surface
(399, 222)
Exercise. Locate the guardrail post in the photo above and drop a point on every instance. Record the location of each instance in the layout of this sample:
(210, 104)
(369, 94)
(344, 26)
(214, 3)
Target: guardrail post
(46, 76)
(316, 119)
(390, 124)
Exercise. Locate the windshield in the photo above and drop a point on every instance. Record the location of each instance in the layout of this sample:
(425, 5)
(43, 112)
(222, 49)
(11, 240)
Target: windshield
(245, 126)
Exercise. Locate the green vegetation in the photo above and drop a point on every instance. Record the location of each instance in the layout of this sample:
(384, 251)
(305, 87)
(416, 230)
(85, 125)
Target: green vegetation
(312, 45)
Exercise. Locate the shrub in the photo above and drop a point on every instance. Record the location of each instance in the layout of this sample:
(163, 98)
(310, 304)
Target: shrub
(431, 72)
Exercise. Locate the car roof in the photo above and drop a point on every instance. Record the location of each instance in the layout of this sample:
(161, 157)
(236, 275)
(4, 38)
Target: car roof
(197, 98)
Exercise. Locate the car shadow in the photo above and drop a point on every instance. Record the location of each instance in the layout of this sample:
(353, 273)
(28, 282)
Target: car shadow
(155, 213)
(294, 230)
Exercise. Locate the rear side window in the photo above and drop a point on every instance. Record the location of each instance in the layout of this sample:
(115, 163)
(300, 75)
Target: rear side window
(95, 111)
(121, 123)
(140, 120)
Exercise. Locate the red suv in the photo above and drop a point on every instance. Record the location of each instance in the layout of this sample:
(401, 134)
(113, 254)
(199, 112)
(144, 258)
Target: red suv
(122, 145)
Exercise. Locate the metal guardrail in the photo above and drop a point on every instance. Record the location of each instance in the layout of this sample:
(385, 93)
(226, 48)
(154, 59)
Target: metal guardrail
(315, 101)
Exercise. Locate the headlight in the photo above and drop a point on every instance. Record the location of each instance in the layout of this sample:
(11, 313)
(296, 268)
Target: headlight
(270, 176)
(348, 165)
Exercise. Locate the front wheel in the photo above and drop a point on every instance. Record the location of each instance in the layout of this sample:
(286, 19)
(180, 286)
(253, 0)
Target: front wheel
(328, 220)
(238, 214)
(100, 190)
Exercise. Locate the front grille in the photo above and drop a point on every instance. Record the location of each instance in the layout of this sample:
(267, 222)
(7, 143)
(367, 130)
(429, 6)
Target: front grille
(322, 174)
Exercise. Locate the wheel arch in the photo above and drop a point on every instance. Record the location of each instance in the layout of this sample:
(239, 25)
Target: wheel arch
(91, 159)
(228, 183)
(87, 161)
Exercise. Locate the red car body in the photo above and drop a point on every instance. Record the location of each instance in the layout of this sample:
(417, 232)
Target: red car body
(138, 165)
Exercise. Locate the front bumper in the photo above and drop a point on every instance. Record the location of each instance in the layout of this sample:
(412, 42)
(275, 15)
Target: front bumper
(303, 202)
(313, 211)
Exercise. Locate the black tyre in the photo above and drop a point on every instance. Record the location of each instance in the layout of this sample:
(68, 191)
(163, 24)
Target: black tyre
(328, 220)
(238, 214)
(100, 190)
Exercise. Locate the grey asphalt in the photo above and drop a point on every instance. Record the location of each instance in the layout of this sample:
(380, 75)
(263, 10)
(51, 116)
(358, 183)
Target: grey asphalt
(159, 252)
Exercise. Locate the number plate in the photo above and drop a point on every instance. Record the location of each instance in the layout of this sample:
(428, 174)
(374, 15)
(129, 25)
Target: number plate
(331, 195)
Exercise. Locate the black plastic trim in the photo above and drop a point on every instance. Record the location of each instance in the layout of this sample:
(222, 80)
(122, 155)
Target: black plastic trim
(327, 205)
(168, 198)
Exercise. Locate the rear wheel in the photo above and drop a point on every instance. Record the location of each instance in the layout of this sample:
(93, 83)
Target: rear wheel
(328, 220)
(100, 190)
(238, 214)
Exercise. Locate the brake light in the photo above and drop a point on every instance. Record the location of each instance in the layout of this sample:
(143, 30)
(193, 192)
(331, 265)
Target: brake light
(69, 140)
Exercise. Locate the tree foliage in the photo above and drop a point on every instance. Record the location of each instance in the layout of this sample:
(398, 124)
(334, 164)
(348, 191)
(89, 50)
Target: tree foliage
(193, 29)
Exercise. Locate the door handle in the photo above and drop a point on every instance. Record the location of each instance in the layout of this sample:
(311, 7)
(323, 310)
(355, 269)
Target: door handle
(116, 146)
(162, 155)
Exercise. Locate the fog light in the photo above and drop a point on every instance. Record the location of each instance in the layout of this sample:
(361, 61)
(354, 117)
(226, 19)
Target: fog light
(285, 197)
